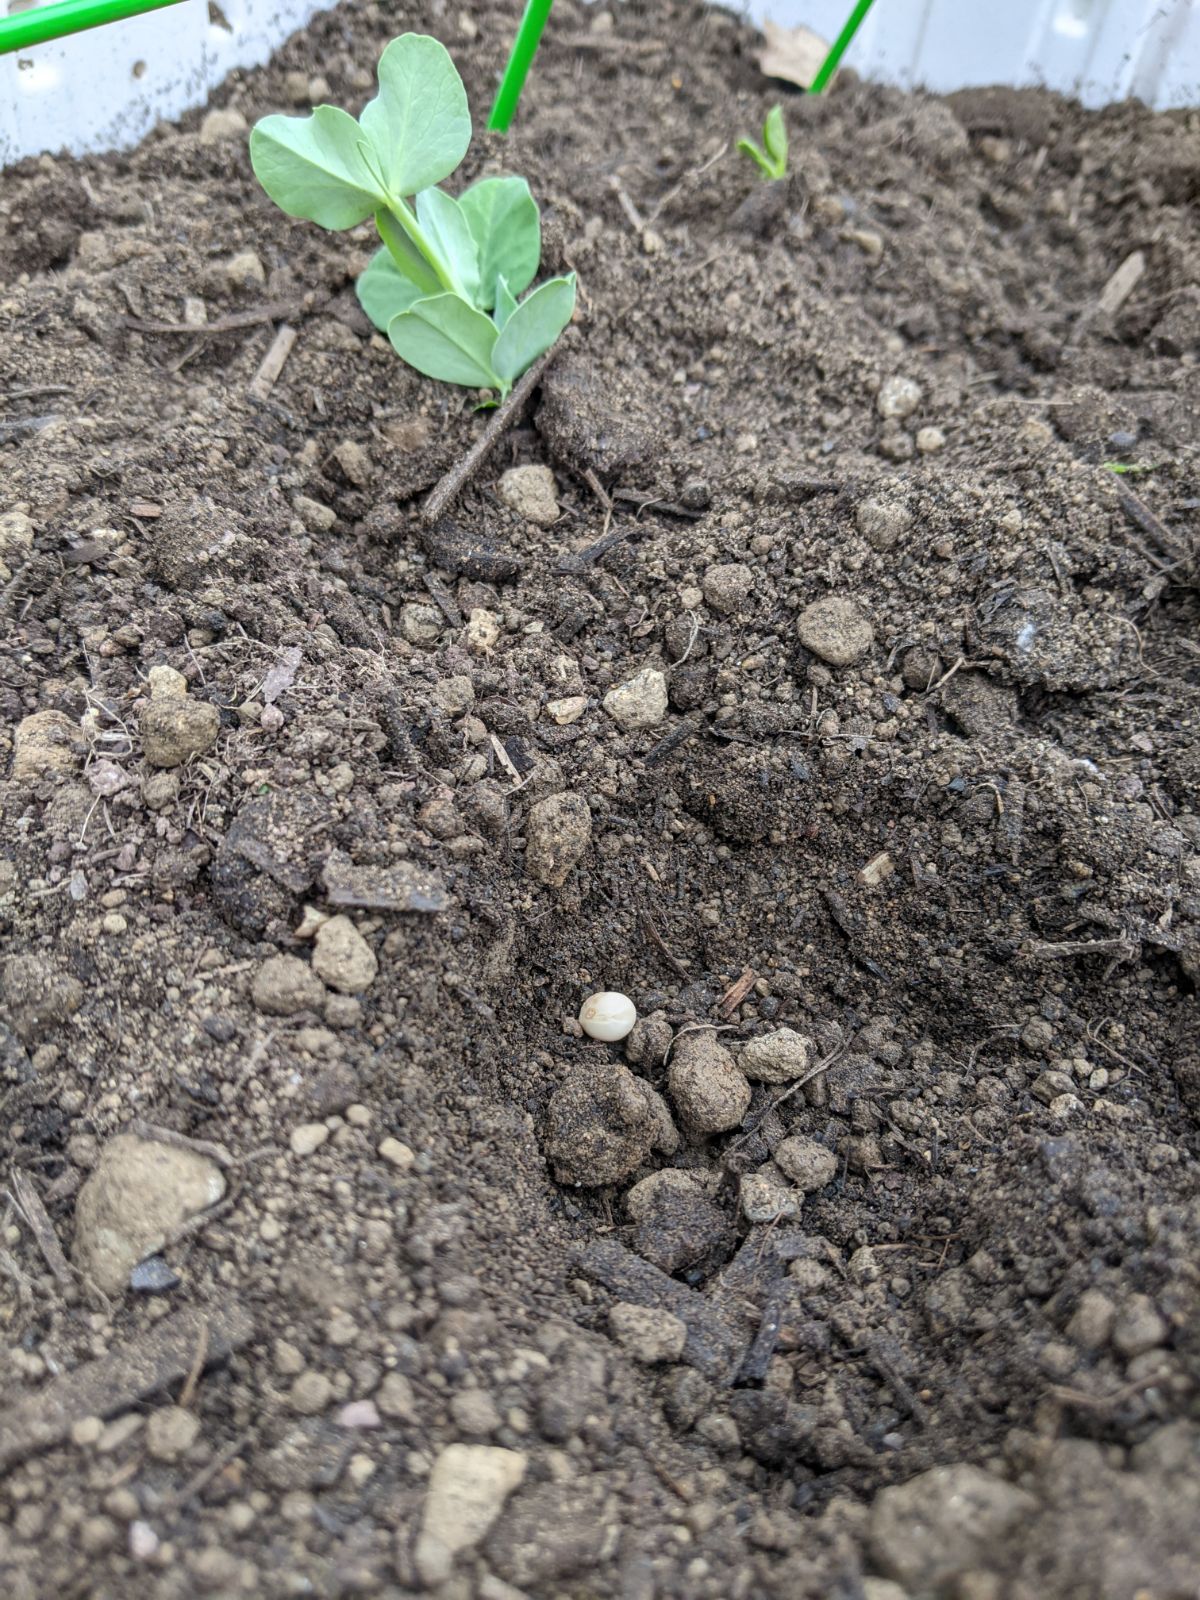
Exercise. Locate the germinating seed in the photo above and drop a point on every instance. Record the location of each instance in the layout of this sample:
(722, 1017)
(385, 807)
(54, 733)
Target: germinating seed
(608, 1016)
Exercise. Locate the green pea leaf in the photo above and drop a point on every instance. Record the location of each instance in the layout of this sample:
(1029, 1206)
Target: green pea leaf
(775, 140)
(533, 327)
(507, 228)
(419, 124)
(444, 225)
(445, 338)
(383, 290)
(505, 303)
(312, 167)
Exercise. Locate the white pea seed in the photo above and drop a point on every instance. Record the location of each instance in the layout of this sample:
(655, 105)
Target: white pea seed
(608, 1015)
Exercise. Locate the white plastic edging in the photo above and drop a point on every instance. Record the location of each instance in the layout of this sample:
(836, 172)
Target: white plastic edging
(1097, 50)
(105, 89)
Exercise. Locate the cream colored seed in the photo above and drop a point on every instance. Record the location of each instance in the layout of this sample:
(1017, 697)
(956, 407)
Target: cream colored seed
(608, 1015)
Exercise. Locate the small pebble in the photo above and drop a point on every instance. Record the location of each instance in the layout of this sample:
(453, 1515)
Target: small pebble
(396, 1154)
(311, 1393)
(639, 702)
(649, 1335)
(766, 1197)
(309, 1136)
(143, 1541)
(835, 629)
(359, 1414)
(342, 957)
(532, 493)
(779, 1057)
(171, 1432)
(607, 1015)
(153, 1276)
(898, 398)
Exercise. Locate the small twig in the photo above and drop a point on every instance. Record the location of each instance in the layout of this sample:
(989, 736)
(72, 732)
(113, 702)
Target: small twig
(671, 741)
(636, 221)
(946, 676)
(737, 992)
(695, 634)
(29, 1203)
(201, 1147)
(1139, 513)
(205, 1476)
(1104, 1402)
(273, 362)
(449, 486)
(1062, 949)
(190, 1384)
(597, 488)
(649, 502)
(446, 602)
(656, 939)
(230, 324)
(594, 552)
(792, 1088)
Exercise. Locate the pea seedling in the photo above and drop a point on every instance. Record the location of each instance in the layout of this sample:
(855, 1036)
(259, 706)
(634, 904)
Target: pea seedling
(771, 158)
(445, 285)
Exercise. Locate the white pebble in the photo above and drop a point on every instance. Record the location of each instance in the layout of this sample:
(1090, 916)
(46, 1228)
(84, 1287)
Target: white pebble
(608, 1016)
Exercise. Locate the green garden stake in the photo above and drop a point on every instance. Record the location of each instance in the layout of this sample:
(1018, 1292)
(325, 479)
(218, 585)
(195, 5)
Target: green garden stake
(525, 45)
(44, 23)
(840, 45)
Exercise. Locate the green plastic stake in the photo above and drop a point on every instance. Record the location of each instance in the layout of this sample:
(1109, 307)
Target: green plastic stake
(840, 45)
(68, 16)
(529, 36)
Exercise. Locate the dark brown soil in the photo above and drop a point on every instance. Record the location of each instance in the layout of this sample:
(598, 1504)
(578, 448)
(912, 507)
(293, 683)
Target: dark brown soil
(1000, 1280)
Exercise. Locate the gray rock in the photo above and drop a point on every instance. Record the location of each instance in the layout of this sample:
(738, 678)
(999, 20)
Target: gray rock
(37, 997)
(640, 702)
(454, 694)
(224, 123)
(467, 1490)
(342, 958)
(898, 398)
(44, 746)
(153, 1276)
(726, 587)
(558, 833)
(676, 1223)
(1091, 1323)
(284, 985)
(766, 1196)
(421, 624)
(171, 1432)
(139, 1194)
(926, 1532)
(808, 1164)
(1140, 1326)
(16, 540)
(835, 629)
(882, 523)
(779, 1057)
(532, 493)
(175, 729)
(551, 1532)
(649, 1334)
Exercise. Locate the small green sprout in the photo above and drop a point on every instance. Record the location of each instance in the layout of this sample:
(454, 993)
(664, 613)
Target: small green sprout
(771, 159)
(446, 286)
